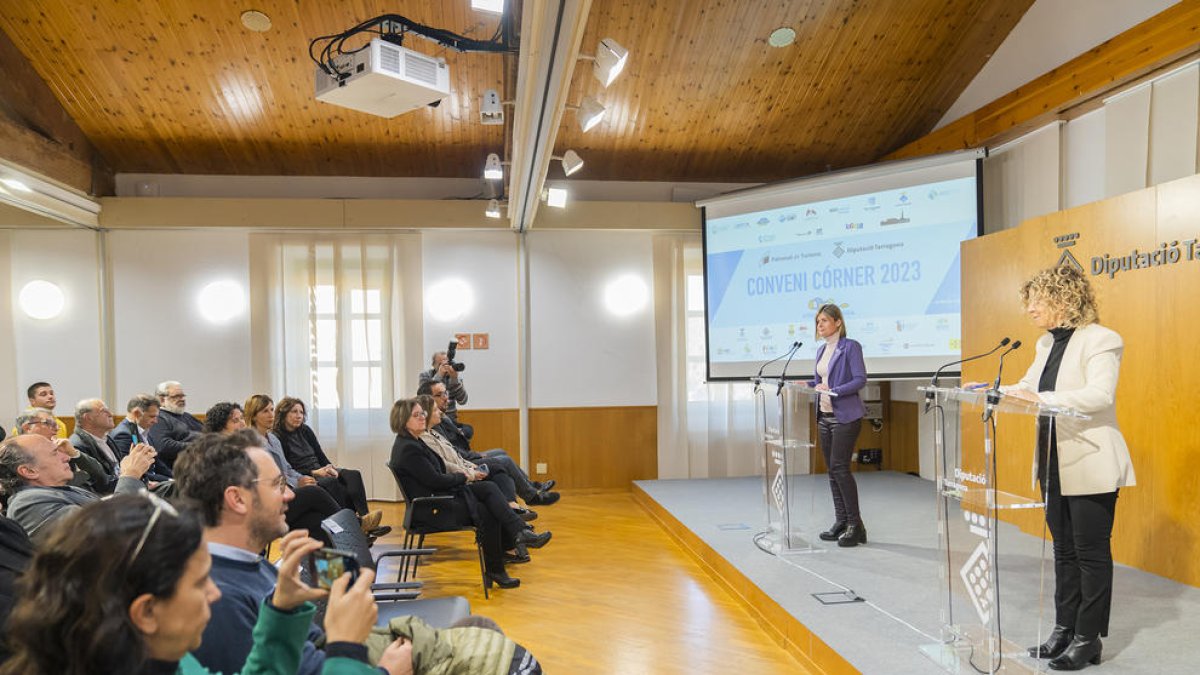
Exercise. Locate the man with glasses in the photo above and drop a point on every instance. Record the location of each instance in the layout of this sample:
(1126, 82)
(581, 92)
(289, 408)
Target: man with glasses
(141, 414)
(243, 498)
(89, 474)
(35, 474)
(175, 427)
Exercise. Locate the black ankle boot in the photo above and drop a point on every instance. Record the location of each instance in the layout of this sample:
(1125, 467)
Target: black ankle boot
(834, 531)
(1054, 645)
(855, 534)
(1081, 652)
(528, 538)
(501, 579)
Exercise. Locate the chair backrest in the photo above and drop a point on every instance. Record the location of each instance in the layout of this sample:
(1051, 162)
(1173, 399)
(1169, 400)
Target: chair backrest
(346, 534)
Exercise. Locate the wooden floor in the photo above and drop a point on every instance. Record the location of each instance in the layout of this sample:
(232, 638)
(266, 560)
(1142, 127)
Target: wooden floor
(611, 593)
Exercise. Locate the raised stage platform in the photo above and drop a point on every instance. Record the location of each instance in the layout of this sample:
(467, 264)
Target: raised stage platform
(1153, 619)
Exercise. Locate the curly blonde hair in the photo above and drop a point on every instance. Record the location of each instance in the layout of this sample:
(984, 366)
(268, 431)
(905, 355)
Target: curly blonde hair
(1066, 292)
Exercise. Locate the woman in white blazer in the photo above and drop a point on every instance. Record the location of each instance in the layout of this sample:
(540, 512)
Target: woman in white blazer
(1082, 463)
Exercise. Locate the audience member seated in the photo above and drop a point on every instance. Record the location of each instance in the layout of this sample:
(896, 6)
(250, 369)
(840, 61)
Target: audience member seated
(87, 472)
(41, 395)
(532, 492)
(423, 474)
(93, 421)
(311, 503)
(304, 453)
(456, 464)
(225, 417)
(16, 551)
(123, 587)
(35, 473)
(140, 415)
(175, 427)
(242, 497)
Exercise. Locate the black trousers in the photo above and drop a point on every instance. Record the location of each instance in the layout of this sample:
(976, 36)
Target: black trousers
(347, 490)
(497, 459)
(497, 526)
(837, 446)
(1083, 566)
(308, 508)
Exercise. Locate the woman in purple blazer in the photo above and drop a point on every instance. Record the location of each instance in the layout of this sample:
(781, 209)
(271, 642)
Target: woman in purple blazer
(840, 371)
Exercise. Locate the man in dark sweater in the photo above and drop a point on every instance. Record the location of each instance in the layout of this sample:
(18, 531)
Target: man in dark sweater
(175, 427)
(242, 497)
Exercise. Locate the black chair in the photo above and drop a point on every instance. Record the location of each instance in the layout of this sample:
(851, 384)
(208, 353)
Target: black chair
(394, 599)
(432, 515)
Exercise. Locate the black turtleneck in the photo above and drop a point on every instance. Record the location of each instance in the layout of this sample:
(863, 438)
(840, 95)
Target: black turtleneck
(1047, 436)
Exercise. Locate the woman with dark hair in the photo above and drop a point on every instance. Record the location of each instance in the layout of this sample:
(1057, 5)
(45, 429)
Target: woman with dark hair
(842, 372)
(311, 504)
(224, 418)
(304, 453)
(455, 463)
(1086, 462)
(422, 473)
(123, 587)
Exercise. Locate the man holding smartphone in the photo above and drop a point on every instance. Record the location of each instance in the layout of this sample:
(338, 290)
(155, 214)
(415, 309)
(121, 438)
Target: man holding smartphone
(243, 497)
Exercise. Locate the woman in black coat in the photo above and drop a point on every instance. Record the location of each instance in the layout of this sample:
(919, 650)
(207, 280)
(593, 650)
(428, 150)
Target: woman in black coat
(421, 473)
(304, 454)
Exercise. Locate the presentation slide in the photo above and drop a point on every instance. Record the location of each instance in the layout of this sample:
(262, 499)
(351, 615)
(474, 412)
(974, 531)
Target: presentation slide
(889, 258)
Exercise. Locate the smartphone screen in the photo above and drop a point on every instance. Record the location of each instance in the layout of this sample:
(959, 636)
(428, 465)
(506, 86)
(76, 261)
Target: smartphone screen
(329, 564)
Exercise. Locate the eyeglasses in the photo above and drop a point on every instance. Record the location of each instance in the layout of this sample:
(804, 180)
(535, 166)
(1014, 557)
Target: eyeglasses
(160, 505)
(279, 483)
(419, 414)
(441, 395)
(176, 397)
(49, 423)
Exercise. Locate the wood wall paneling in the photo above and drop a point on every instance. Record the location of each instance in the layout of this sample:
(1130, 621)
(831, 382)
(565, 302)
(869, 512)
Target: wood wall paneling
(1155, 312)
(495, 429)
(595, 447)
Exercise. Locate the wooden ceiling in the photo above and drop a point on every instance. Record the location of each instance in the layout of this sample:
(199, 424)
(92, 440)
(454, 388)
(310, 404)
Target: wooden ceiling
(179, 86)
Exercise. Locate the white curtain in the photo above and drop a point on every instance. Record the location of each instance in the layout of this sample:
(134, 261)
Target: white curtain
(1021, 179)
(1127, 141)
(333, 334)
(705, 430)
(1174, 108)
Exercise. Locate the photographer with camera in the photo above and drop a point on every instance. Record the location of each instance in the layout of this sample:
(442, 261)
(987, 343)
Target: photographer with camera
(446, 370)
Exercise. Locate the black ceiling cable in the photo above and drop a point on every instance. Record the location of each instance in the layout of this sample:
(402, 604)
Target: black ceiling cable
(393, 27)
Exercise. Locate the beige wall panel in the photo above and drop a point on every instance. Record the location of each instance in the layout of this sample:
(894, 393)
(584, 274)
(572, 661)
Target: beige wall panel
(1154, 312)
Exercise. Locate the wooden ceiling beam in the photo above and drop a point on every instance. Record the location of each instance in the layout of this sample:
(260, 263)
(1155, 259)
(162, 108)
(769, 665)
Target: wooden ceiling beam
(1157, 42)
(38, 134)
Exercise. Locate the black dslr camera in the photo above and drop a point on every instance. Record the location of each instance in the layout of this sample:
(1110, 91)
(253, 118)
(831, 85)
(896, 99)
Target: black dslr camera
(450, 352)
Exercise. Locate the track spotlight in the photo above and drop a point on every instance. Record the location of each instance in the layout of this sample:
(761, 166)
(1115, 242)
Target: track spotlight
(556, 197)
(492, 169)
(491, 109)
(609, 61)
(493, 208)
(588, 113)
(571, 162)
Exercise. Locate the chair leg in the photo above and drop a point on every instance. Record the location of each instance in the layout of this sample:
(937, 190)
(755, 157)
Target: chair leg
(408, 539)
(482, 567)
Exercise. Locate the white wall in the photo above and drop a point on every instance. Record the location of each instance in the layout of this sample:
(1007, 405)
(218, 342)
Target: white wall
(160, 334)
(581, 354)
(1051, 33)
(487, 263)
(64, 351)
